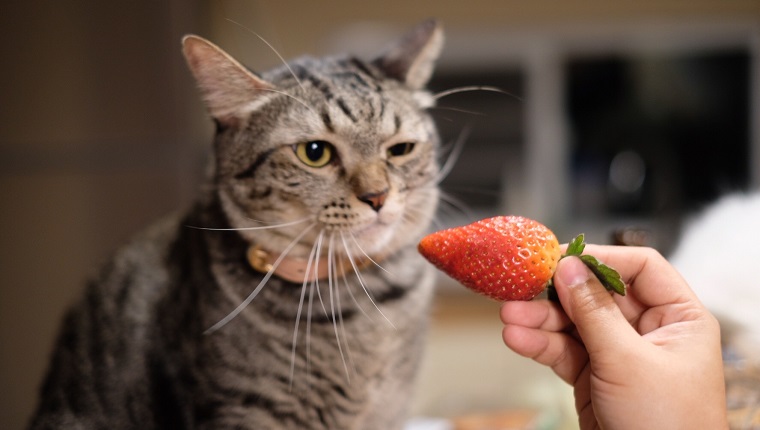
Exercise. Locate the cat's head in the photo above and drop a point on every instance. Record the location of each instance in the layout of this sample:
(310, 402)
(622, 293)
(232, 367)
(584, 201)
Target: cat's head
(339, 143)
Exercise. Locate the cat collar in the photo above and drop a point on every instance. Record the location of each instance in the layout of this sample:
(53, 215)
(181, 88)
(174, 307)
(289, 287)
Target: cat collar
(298, 270)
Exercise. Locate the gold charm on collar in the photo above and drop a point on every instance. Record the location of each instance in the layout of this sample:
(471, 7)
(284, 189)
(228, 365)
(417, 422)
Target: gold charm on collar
(293, 269)
(259, 259)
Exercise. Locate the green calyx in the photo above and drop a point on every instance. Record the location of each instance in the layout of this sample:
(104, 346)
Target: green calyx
(608, 276)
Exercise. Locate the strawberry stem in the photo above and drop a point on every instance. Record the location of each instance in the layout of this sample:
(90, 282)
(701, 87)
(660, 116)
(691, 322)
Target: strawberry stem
(608, 276)
(576, 246)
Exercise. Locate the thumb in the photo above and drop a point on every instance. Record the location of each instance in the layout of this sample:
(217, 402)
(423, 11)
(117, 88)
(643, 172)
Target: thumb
(598, 319)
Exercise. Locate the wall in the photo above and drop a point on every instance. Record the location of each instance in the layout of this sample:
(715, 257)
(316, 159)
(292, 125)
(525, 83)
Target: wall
(100, 133)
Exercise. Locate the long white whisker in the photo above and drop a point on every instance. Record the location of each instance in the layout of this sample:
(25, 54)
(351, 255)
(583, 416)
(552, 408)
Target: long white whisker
(446, 214)
(458, 205)
(453, 109)
(356, 242)
(272, 90)
(298, 315)
(348, 288)
(286, 224)
(333, 294)
(316, 272)
(340, 314)
(345, 339)
(308, 332)
(420, 203)
(361, 281)
(314, 285)
(456, 151)
(258, 288)
(414, 215)
(473, 88)
(270, 47)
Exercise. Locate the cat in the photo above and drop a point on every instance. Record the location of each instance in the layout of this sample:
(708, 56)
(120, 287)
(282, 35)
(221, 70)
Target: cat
(717, 254)
(291, 294)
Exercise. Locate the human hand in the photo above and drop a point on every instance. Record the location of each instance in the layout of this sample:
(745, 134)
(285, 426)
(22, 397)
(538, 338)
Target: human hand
(650, 359)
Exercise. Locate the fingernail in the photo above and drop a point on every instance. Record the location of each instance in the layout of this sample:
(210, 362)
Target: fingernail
(571, 272)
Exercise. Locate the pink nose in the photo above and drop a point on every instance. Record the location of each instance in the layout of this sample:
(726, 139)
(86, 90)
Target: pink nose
(375, 200)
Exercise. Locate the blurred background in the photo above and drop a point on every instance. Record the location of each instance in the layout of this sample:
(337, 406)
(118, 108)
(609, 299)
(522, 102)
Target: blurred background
(627, 113)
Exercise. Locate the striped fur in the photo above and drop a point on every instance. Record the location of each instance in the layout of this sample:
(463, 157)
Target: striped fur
(340, 353)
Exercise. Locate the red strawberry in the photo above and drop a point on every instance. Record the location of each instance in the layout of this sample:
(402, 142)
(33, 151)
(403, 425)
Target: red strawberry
(506, 257)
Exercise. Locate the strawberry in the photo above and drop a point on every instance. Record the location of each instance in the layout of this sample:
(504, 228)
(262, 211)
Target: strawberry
(507, 257)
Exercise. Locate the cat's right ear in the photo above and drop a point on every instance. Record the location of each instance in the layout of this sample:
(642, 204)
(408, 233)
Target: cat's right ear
(227, 87)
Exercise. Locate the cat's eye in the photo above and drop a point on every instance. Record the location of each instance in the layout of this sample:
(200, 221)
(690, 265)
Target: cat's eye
(400, 149)
(317, 153)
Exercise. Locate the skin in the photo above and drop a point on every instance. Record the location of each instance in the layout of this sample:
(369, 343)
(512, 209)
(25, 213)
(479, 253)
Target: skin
(651, 359)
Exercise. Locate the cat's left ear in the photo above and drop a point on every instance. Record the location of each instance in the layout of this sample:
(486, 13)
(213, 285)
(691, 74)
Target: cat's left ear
(411, 60)
(227, 87)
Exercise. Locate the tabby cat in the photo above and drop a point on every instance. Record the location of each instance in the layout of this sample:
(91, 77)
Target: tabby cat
(291, 294)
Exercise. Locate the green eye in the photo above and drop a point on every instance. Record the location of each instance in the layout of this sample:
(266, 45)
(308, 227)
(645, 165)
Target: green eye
(400, 149)
(317, 153)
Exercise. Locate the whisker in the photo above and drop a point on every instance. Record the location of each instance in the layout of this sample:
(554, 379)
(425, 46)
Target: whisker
(361, 281)
(258, 288)
(453, 156)
(340, 316)
(348, 288)
(457, 90)
(356, 242)
(298, 315)
(458, 205)
(272, 90)
(414, 216)
(270, 47)
(437, 224)
(252, 228)
(453, 109)
(314, 285)
(446, 215)
(345, 339)
(330, 262)
(415, 212)
(259, 221)
(316, 272)
(308, 332)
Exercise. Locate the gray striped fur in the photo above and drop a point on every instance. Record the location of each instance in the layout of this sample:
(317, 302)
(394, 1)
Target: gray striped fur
(136, 351)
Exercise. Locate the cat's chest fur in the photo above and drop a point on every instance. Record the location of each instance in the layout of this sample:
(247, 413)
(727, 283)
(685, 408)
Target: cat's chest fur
(342, 367)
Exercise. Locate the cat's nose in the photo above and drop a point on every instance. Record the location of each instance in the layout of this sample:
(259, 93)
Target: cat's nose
(374, 200)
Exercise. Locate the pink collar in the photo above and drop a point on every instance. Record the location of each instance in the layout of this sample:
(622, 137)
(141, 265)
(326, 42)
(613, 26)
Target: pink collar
(294, 269)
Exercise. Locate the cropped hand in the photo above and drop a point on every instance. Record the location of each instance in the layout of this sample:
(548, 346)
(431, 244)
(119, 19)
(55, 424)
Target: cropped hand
(650, 359)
